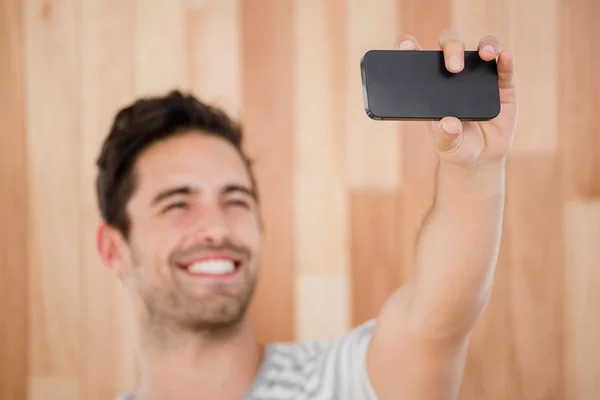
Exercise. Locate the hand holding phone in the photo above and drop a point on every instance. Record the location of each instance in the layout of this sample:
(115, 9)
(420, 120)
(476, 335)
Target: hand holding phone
(416, 85)
(469, 95)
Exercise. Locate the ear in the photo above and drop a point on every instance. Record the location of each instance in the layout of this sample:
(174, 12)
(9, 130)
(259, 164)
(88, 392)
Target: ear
(112, 249)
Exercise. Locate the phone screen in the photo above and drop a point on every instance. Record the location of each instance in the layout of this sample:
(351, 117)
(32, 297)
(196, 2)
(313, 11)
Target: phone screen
(415, 85)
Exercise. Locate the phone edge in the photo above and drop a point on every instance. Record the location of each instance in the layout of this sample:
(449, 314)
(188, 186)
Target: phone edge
(376, 117)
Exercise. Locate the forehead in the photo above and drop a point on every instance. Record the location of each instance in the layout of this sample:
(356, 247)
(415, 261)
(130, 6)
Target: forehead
(192, 158)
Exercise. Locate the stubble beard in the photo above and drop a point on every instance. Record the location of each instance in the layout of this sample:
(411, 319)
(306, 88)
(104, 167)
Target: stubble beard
(208, 314)
(219, 311)
(173, 308)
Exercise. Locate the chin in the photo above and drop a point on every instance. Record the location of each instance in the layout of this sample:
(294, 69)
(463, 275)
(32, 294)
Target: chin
(225, 314)
(222, 323)
(221, 309)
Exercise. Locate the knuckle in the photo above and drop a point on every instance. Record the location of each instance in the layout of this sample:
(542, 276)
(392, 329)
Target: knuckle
(406, 41)
(489, 39)
(450, 35)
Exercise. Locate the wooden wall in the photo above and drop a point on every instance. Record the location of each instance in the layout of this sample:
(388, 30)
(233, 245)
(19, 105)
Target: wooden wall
(343, 195)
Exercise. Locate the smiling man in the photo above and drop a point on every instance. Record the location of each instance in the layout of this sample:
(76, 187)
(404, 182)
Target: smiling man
(182, 231)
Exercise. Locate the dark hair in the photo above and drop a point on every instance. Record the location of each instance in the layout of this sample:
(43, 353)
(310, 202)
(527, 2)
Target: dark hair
(143, 123)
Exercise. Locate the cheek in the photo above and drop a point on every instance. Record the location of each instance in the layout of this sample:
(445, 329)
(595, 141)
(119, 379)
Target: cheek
(152, 247)
(246, 230)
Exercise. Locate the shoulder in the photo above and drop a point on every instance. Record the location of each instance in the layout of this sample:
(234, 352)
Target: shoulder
(327, 369)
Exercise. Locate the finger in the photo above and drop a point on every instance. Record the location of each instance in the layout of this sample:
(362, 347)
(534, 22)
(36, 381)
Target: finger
(407, 42)
(447, 134)
(489, 47)
(506, 70)
(453, 45)
(454, 144)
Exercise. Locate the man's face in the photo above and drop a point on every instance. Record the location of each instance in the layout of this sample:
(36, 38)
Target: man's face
(194, 242)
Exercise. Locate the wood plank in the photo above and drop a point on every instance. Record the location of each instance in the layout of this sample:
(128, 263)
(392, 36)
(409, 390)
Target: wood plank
(107, 36)
(377, 255)
(372, 158)
(478, 18)
(320, 195)
(161, 58)
(579, 99)
(425, 20)
(267, 96)
(13, 205)
(582, 235)
(213, 47)
(580, 152)
(534, 206)
(322, 307)
(53, 127)
(533, 27)
(320, 168)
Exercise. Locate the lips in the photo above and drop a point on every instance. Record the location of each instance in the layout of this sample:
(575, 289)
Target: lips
(215, 265)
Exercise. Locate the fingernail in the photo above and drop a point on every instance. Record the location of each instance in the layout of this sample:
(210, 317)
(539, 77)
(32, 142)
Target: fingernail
(488, 48)
(405, 45)
(454, 63)
(448, 128)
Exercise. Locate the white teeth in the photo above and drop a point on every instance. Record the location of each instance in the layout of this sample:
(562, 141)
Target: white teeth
(212, 267)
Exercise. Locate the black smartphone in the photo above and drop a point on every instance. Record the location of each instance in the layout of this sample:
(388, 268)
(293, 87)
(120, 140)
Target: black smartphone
(415, 85)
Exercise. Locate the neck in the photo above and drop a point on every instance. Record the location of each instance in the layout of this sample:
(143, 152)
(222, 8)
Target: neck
(184, 365)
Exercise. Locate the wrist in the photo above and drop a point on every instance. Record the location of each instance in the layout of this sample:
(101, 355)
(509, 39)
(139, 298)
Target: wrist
(481, 167)
(481, 179)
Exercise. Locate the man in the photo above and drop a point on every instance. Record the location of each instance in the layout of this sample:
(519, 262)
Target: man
(182, 230)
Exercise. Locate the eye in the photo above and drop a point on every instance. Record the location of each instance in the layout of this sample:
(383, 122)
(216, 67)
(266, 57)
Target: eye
(177, 205)
(238, 203)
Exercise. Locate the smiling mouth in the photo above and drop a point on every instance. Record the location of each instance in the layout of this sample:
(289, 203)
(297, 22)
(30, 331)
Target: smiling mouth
(214, 268)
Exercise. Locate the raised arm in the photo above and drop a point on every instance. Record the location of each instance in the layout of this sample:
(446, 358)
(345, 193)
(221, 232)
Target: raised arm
(419, 344)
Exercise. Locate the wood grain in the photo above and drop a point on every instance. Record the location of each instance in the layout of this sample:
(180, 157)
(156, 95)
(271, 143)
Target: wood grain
(538, 73)
(479, 18)
(53, 51)
(107, 51)
(580, 155)
(425, 20)
(316, 298)
(213, 46)
(268, 115)
(376, 249)
(534, 208)
(372, 157)
(319, 173)
(161, 56)
(582, 367)
(343, 196)
(13, 206)
(319, 168)
(579, 98)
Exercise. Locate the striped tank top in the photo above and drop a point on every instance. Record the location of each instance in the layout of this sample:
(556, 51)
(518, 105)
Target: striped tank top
(314, 370)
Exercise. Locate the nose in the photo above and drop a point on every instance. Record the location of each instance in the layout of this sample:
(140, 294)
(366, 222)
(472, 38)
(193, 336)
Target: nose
(211, 226)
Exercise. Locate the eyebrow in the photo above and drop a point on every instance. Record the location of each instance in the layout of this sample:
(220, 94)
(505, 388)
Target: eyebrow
(232, 188)
(188, 190)
(165, 194)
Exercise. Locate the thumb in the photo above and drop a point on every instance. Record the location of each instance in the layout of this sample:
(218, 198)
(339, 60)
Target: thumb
(455, 144)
